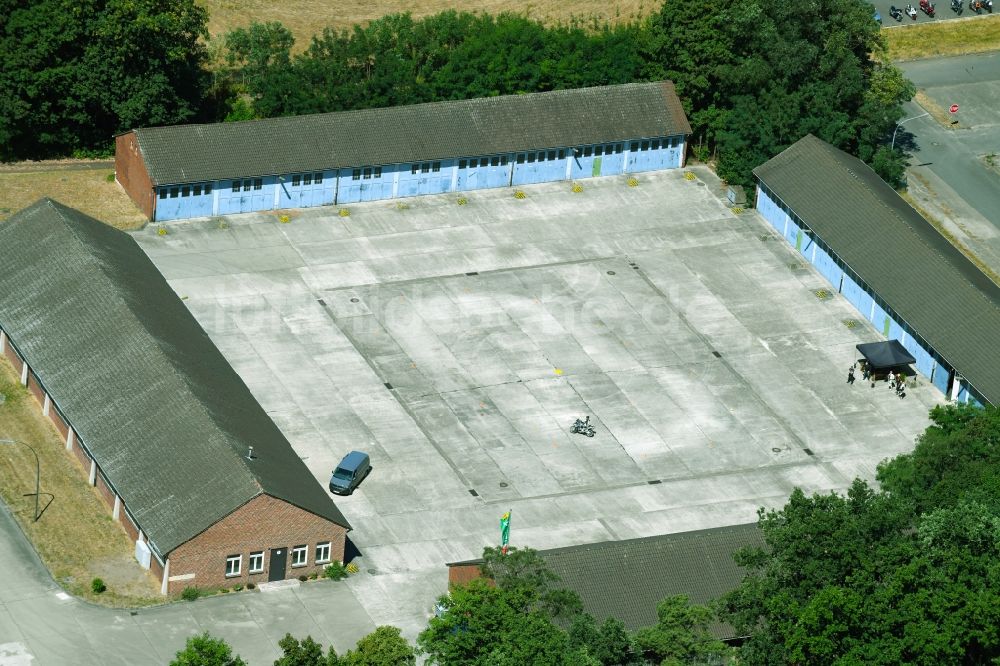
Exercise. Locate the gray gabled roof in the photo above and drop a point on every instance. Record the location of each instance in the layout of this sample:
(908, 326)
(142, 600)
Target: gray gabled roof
(166, 417)
(404, 134)
(940, 294)
(627, 579)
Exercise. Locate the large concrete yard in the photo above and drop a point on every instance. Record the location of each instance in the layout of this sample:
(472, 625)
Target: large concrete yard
(457, 344)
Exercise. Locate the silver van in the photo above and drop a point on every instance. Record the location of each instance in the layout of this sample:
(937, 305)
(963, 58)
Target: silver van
(349, 473)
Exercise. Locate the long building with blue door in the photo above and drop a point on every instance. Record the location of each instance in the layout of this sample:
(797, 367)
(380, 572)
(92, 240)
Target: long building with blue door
(190, 171)
(889, 263)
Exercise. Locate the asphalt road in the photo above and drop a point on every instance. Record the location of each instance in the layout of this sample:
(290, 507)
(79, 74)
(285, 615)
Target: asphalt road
(957, 156)
(943, 12)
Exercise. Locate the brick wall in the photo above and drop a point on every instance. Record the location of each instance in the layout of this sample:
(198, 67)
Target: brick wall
(35, 387)
(460, 574)
(261, 524)
(12, 356)
(130, 170)
(59, 422)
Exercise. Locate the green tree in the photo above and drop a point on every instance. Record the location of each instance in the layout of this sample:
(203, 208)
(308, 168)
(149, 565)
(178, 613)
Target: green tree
(74, 73)
(306, 652)
(485, 625)
(524, 569)
(609, 644)
(203, 650)
(680, 635)
(254, 50)
(383, 647)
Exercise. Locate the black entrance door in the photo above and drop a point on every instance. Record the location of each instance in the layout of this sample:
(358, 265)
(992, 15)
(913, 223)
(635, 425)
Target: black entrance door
(279, 557)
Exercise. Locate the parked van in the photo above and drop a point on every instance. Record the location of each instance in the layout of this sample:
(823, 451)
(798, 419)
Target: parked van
(349, 473)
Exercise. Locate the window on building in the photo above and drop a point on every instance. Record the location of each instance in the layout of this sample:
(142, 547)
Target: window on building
(233, 565)
(378, 172)
(318, 179)
(618, 148)
(655, 144)
(413, 169)
(437, 167)
(425, 167)
(356, 174)
(307, 179)
(495, 160)
(236, 186)
(562, 153)
(552, 155)
(644, 145)
(296, 179)
(633, 147)
(598, 151)
(366, 173)
(520, 158)
(185, 191)
(208, 188)
(541, 156)
(531, 158)
(246, 185)
(462, 164)
(473, 163)
(503, 160)
(163, 193)
(588, 151)
(322, 552)
(300, 556)
(174, 191)
(258, 183)
(257, 562)
(197, 190)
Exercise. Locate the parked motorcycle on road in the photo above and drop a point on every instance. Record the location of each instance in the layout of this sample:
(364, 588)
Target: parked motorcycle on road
(897, 13)
(977, 6)
(912, 13)
(957, 6)
(927, 7)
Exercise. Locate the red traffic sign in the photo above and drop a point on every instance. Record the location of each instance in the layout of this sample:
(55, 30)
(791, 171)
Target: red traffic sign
(954, 108)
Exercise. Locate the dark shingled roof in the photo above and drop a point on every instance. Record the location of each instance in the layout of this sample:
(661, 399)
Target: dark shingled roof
(403, 134)
(166, 417)
(627, 579)
(929, 283)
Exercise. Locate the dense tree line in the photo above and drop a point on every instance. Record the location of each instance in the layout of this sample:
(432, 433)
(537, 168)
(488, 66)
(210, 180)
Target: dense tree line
(74, 72)
(754, 77)
(909, 574)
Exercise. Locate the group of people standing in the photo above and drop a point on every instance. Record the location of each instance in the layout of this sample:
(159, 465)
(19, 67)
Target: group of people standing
(896, 381)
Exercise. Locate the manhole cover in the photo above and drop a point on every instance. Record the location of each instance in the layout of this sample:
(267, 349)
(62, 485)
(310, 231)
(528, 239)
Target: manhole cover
(611, 272)
(372, 571)
(355, 300)
(503, 484)
(775, 449)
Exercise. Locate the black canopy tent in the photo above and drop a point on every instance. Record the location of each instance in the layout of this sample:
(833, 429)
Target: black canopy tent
(885, 355)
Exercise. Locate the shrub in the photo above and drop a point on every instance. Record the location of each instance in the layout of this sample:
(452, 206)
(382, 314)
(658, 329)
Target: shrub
(97, 586)
(110, 177)
(303, 578)
(335, 571)
(237, 588)
(313, 576)
(190, 593)
(251, 586)
(223, 590)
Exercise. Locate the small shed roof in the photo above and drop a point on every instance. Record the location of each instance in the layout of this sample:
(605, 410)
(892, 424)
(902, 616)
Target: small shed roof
(164, 414)
(405, 134)
(925, 279)
(885, 354)
(627, 579)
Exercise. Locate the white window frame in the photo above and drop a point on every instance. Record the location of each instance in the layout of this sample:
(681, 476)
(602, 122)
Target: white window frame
(250, 568)
(304, 550)
(326, 558)
(238, 569)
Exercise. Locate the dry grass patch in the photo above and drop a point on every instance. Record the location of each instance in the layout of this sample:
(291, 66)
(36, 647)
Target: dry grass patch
(972, 34)
(938, 112)
(75, 536)
(308, 17)
(87, 190)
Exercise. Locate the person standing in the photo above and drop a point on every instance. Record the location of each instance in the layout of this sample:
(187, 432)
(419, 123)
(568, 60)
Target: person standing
(850, 375)
(891, 379)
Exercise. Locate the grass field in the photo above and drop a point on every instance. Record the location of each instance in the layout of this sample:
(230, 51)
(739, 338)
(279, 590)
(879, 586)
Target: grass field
(973, 34)
(85, 189)
(75, 537)
(308, 17)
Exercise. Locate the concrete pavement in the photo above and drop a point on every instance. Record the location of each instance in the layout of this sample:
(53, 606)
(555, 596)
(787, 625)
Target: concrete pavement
(456, 344)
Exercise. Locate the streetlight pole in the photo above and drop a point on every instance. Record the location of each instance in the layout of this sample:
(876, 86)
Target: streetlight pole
(38, 472)
(893, 145)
